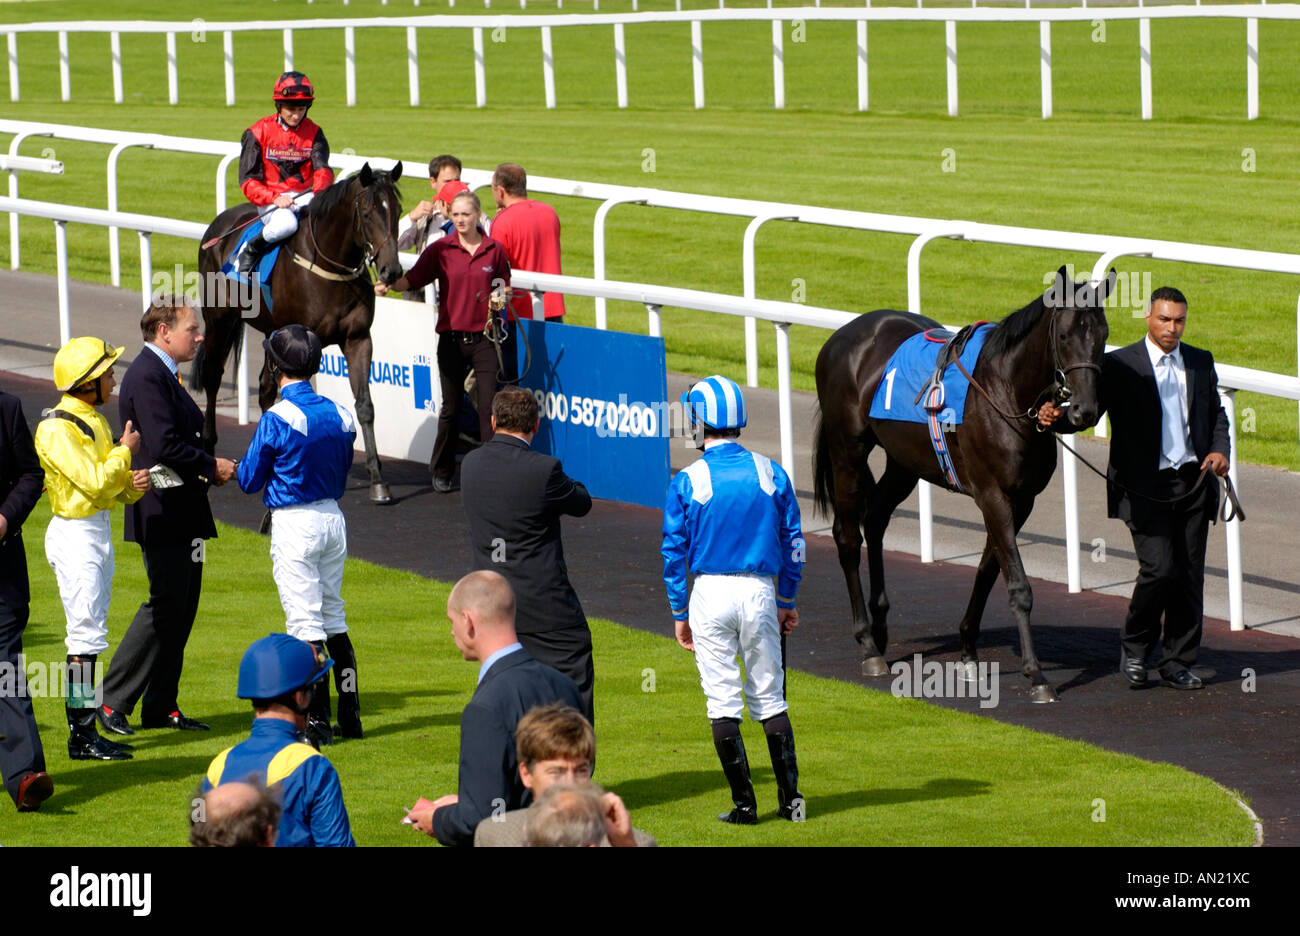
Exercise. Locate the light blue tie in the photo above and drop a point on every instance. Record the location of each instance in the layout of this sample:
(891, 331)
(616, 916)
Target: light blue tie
(1173, 431)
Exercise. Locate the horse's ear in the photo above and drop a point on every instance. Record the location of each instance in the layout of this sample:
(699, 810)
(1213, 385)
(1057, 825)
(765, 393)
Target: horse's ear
(396, 172)
(1104, 288)
(366, 176)
(1059, 290)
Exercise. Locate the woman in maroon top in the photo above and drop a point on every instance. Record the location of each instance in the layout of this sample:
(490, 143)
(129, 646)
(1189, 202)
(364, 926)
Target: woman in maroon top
(472, 272)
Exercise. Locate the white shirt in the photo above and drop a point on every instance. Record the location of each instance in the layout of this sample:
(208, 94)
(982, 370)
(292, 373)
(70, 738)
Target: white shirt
(1155, 352)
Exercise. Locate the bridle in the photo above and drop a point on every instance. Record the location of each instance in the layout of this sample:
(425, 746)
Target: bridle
(1058, 391)
(359, 237)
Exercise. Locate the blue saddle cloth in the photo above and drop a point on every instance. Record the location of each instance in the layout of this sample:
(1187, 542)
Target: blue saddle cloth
(909, 371)
(264, 265)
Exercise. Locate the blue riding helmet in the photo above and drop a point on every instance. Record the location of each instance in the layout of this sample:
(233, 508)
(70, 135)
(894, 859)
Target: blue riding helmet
(716, 402)
(277, 665)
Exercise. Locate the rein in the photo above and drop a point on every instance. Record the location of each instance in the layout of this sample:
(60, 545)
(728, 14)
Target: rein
(348, 274)
(1229, 510)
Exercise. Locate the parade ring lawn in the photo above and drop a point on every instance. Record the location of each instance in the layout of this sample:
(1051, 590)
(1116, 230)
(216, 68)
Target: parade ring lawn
(875, 770)
(1198, 172)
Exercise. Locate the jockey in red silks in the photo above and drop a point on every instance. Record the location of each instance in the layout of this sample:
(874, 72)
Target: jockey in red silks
(284, 163)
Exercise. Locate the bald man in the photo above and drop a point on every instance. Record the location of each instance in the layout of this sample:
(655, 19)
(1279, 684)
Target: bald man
(234, 815)
(481, 609)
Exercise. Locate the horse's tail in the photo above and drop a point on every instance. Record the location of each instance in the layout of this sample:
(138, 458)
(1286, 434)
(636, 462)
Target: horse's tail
(823, 470)
(196, 371)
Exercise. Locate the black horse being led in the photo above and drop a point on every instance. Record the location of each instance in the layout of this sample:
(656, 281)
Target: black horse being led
(1053, 348)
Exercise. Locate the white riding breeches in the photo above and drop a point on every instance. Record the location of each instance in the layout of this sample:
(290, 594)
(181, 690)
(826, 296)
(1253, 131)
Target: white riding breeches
(279, 223)
(730, 616)
(309, 543)
(81, 553)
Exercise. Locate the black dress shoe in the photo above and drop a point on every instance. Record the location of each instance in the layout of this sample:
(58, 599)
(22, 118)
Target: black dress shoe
(113, 721)
(34, 789)
(177, 721)
(93, 747)
(1183, 679)
(1134, 670)
(445, 485)
(741, 815)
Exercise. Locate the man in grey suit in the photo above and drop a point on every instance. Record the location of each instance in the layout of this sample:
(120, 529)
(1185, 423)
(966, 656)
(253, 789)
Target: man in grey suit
(514, 498)
(481, 609)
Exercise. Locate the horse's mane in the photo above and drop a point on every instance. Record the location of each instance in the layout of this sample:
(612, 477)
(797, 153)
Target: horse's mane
(1013, 329)
(323, 204)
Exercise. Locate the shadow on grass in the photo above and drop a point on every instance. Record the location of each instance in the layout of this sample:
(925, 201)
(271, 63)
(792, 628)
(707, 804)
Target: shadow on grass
(90, 780)
(644, 792)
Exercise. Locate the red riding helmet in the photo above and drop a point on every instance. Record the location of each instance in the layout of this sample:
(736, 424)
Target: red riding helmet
(294, 87)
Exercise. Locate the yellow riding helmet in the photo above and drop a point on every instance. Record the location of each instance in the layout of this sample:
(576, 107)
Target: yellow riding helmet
(82, 360)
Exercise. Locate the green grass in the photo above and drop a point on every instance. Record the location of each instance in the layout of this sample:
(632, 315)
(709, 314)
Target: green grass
(1094, 167)
(876, 770)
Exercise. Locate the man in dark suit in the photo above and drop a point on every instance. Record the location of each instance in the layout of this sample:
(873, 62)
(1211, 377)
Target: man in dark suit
(1168, 426)
(22, 759)
(481, 609)
(170, 522)
(514, 498)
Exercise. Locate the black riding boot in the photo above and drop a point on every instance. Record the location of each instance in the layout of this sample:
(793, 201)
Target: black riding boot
(345, 681)
(84, 740)
(735, 765)
(318, 733)
(252, 253)
(780, 745)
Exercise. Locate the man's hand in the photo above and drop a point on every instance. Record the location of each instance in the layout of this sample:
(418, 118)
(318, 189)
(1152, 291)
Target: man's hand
(130, 438)
(4, 525)
(423, 819)
(225, 470)
(683, 631)
(283, 200)
(1216, 462)
(1049, 413)
(422, 210)
(618, 824)
(788, 618)
(140, 479)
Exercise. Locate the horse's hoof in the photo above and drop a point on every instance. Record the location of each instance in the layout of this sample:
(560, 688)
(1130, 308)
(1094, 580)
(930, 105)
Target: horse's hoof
(379, 494)
(1042, 693)
(875, 666)
(970, 671)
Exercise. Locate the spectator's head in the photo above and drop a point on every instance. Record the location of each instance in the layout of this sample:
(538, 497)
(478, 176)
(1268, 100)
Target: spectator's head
(465, 211)
(443, 169)
(514, 410)
(234, 815)
(449, 190)
(172, 323)
(294, 351)
(481, 608)
(566, 816)
(511, 181)
(554, 744)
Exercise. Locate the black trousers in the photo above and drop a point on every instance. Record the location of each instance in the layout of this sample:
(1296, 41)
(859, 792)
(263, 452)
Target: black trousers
(20, 751)
(149, 660)
(569, 651)
(1170, 546)
(456, 356)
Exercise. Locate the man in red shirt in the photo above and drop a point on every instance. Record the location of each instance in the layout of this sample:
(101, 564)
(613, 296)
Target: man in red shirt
(530, 232)
(284, 163)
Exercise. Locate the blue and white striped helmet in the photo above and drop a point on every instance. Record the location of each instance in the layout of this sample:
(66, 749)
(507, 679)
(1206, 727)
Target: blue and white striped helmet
(717, 403)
